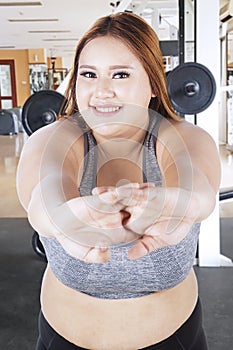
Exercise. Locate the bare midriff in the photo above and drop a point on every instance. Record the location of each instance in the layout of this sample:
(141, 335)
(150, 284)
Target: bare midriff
(119, 324)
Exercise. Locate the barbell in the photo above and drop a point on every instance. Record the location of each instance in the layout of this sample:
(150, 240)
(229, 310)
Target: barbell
(191, 87)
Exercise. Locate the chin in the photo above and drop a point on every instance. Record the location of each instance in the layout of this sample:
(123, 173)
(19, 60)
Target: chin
(109, 129)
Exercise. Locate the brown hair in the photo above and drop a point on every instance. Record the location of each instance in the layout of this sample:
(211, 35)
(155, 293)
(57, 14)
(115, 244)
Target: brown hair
(141, 39)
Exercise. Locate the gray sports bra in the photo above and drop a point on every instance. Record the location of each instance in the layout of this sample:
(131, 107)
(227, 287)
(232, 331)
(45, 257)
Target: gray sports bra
(120, 277)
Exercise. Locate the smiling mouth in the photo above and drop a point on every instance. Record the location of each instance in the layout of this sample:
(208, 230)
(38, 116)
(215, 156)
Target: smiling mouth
(106, 109)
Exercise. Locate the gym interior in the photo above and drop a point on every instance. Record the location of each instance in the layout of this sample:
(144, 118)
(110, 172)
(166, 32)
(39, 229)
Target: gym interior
(37, 44)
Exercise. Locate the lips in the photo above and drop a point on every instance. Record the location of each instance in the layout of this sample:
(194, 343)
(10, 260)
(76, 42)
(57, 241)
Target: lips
(106, 110)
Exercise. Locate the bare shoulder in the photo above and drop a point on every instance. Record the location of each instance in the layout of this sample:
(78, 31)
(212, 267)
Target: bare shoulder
(183, 133)
(181, 141)
(65, 130)
(58, 138)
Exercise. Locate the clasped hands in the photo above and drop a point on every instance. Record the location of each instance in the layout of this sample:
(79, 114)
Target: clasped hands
(153, 217)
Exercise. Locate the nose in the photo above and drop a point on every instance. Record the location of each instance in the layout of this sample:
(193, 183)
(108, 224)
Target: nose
(104, 89)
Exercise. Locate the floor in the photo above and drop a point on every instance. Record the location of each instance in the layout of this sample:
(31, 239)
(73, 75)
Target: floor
(22, 269)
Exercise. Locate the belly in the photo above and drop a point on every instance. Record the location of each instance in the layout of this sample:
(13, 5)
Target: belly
(122, 324)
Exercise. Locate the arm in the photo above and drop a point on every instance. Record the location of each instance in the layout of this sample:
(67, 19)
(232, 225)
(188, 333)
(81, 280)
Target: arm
(47, 179)
(49, 154)
(188, 158)
(47, 183)
(190, 166)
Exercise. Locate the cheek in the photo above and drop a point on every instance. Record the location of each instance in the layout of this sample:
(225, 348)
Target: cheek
(140, 95)
(81, 97)
(141, 91)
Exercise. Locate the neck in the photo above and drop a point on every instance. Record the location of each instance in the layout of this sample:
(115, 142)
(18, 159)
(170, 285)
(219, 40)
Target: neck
(125, 145)
(120, 132)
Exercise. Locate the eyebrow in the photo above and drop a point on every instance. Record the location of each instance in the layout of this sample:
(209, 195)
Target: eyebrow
(116, 66)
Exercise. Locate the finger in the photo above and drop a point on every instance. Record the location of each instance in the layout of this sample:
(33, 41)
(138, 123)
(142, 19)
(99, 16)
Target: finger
(109, 197)
(146, 185)
(136, 221)
(131, 197)
(137, 251)
(124, 217)
(102, 189)
(97, 255)
(173, 230)
(72, 248)
(145, 245)
(121, 196)
(84, 252)
(129, 185)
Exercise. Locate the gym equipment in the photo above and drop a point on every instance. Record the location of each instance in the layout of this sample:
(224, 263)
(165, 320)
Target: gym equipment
(226, 193)
(191, 87)
(8, 122)
(41, 109)
(18, 112)
(38, 246)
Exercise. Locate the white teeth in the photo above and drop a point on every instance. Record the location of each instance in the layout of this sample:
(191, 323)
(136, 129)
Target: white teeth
(107, 109)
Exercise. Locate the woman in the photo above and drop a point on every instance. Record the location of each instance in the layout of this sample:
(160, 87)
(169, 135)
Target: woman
(117, 191)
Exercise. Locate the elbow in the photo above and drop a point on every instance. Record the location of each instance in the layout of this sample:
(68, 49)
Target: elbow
(206, 203)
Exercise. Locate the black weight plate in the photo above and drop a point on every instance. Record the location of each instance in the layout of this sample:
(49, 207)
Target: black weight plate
(41, 109)
(202, 83)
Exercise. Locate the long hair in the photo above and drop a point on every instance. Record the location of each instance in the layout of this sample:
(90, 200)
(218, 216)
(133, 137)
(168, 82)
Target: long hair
(142, 40)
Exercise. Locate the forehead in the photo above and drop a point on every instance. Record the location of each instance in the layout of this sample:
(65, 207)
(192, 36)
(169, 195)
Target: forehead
(107, 48)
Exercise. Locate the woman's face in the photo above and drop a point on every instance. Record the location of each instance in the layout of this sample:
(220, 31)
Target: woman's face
(112, 84)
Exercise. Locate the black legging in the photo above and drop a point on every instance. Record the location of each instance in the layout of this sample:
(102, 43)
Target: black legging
(190, 336)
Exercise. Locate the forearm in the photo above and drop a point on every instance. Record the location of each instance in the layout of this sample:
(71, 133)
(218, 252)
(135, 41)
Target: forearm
(47, 209)
(192, 179)
(57, 209)
(189, 160)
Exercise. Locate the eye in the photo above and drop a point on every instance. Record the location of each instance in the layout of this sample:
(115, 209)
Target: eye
(89, 75)
(121, 75)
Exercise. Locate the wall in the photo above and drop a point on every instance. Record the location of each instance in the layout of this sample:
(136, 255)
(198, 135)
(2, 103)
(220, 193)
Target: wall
(36, 56)
(20, 58)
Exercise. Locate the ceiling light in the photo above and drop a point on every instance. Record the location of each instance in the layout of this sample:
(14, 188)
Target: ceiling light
(7, 47)
(33, 20)
(20, 3)
(63, 45)
(61, 39)
(48, 31)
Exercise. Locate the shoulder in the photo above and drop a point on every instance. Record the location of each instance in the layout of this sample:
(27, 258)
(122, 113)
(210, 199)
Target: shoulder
(182, 133)
(182, 127)
(63, 128)
(59, 136)
(184, 143)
